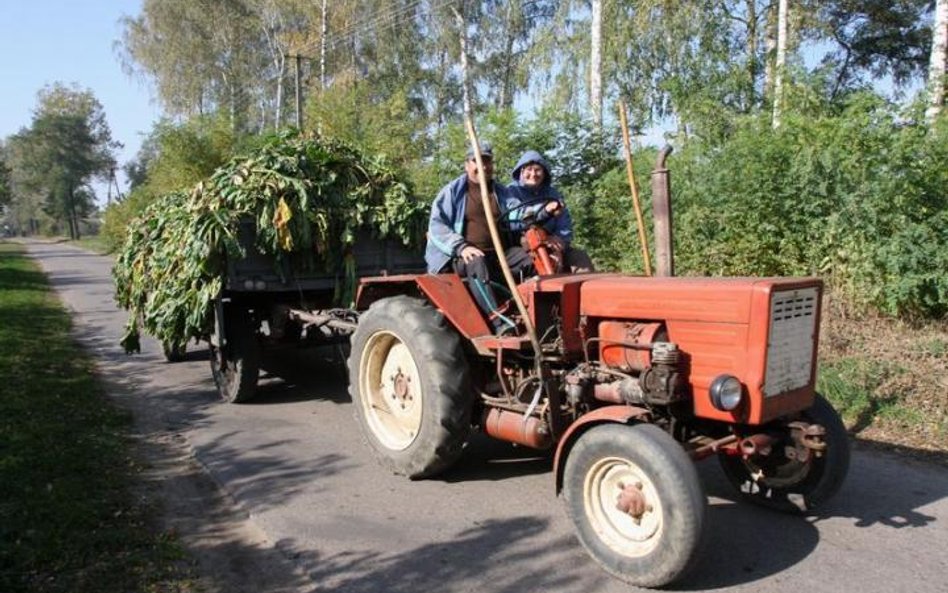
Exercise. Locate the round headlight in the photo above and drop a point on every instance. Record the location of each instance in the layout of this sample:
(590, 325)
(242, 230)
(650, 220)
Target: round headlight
(726, 392)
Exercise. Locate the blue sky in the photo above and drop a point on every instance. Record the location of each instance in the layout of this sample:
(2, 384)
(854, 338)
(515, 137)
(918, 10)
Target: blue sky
(44, 41)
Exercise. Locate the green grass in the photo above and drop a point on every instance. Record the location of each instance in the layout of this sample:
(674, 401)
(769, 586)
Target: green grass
(936, 347)
(69, 521)
(853, 385)
(93, 243)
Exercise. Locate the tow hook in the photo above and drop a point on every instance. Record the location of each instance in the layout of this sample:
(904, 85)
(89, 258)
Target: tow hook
(809, 437)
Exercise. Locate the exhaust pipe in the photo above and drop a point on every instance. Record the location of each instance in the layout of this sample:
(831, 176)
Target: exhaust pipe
(661, 210)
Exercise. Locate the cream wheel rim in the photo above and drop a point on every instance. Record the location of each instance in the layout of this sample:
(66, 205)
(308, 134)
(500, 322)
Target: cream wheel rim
(390, 391)
(632, 530)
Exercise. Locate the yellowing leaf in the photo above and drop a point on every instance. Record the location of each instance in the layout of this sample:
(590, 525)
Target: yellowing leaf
(281, 220)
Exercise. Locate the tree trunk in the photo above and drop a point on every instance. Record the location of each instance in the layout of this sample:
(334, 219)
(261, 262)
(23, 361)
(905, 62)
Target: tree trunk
(505, 100)
(936, 68)
(465, 81)
(324, 28)
(752, 53)
(440, 92)
(71, 215)
(595, 65)
(781, 61)
(770, 47)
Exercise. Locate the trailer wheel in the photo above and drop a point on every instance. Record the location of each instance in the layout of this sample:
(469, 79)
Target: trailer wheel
(788, 484)
(236, 366)
(408, 378)
(174, 352)
(636, 502)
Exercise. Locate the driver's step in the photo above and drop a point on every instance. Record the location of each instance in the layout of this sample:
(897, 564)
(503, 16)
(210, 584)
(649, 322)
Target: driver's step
(490, 344)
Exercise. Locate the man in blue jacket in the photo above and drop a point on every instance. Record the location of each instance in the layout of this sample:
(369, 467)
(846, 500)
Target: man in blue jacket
(459, 238)
(533, 184)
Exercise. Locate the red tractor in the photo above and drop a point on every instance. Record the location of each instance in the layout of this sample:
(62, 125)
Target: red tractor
(629, 378)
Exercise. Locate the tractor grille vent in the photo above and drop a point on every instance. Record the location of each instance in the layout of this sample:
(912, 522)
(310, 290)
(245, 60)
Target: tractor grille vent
(791, 338)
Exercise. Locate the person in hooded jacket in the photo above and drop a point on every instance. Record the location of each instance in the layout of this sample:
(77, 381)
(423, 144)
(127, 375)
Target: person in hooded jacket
(533, 184)
(459, 238)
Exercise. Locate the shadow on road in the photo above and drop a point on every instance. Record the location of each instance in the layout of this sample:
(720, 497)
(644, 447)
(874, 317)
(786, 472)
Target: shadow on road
(744, 543)
(487, 459)
(454, 565)
(266, 477)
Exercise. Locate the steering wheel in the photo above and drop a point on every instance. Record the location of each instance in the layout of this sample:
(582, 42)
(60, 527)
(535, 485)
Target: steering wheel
(527, 218)
(547, 255)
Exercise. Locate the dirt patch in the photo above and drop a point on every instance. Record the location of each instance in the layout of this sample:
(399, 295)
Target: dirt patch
(898, 374)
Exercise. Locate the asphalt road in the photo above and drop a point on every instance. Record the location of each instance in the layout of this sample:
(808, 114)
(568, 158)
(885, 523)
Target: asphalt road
(294, 461)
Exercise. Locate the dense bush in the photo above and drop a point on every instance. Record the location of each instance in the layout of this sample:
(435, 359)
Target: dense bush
(856, 196)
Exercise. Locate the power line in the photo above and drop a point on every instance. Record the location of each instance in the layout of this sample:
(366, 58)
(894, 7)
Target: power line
(379, 23)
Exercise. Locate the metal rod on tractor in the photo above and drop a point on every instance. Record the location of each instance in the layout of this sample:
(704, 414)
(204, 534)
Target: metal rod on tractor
(498, 245)
(646, 259)
(542, 371)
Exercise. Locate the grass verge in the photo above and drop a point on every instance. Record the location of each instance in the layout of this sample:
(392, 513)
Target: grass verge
(888, 379)
(69, 520)
(93, 243)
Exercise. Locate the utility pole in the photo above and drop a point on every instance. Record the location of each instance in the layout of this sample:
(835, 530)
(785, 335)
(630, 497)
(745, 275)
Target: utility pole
(297, 75)
(299, 111)
(113, 182)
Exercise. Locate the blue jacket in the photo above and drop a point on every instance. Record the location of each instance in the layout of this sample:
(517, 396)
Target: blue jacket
(446, 224)
(560, 226)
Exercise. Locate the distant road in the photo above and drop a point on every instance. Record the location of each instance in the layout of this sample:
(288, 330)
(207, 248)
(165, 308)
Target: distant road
(295, 462)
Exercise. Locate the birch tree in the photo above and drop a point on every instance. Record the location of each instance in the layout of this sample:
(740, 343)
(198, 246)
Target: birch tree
(936, 68)
(780, 62)
(595, 64)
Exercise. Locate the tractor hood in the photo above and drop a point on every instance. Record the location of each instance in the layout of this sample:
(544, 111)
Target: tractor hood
(716, 300)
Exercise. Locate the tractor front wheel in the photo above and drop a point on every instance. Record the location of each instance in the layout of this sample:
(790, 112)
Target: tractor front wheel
(791, 482)
(636, 502)
(408, 378)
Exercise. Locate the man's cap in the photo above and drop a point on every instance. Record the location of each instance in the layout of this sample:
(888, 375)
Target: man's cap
(486, 151)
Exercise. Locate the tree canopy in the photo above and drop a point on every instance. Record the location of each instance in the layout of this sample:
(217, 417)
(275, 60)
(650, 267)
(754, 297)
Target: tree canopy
(67, 145)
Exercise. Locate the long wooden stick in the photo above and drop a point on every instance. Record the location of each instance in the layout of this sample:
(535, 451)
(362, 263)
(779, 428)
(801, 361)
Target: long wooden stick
(635, 192)
(495, 239)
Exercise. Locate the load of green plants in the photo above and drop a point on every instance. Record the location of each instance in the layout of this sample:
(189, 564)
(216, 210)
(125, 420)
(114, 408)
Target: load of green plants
(309, 197)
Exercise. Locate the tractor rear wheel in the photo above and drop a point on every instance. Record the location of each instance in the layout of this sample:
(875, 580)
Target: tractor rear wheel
(636, 502)
(790, 484)
(408, 378)
(236, 365)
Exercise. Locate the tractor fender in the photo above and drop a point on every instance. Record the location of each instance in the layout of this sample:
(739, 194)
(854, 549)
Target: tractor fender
(617, 414)
(446, 292)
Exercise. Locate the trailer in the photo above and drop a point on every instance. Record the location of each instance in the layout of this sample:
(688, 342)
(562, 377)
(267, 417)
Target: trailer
(267, 303)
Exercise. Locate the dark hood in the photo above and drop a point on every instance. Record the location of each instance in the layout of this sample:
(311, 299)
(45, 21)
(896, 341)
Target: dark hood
(532, 156)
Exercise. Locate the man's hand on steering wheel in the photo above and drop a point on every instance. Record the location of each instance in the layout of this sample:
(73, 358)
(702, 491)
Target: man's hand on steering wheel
(536, 212)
